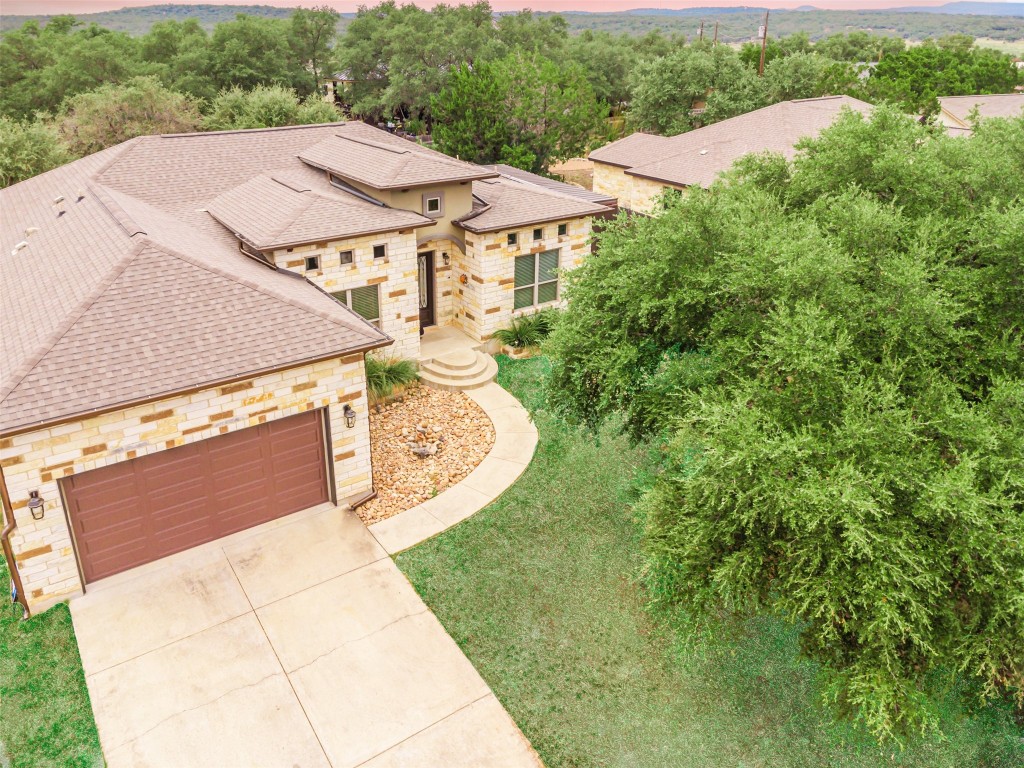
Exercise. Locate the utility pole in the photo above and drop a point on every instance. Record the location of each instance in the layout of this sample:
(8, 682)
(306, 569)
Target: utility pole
(764, 42)
(700, 35)
(716, 33)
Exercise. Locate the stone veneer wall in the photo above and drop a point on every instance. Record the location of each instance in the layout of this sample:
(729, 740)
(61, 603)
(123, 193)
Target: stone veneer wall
(634, 193)
(485, 302)
(444, 284)
(395, 275)
(37, 460)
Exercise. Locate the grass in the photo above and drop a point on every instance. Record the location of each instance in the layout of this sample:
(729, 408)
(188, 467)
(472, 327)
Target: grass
(541, 591)
(1013, 47)
(45, 716)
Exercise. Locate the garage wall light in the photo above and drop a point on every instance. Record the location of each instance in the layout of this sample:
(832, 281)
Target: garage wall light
(36, 505)
(446, 258)
(350, 416)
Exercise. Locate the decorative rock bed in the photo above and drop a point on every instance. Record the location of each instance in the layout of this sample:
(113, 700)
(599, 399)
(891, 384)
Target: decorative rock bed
(422, 444)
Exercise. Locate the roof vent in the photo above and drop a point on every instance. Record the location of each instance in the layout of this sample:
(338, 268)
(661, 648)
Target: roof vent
(20, 246)
(58, 203)
(31, 231)
(81, 196)
(703, 151)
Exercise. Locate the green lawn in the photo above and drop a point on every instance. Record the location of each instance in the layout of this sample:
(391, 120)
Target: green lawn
(45, 715)
(541, 591)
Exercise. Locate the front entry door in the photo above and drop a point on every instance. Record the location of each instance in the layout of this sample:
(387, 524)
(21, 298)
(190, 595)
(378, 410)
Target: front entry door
(426, 283)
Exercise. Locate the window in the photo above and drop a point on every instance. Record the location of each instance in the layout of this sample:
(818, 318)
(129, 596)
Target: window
(433, 205)
(312, 263)
(380, 251)
(536, 279)
(538, 234)
(364, 301)
(563, 229)
(345, 257)
(512, 239)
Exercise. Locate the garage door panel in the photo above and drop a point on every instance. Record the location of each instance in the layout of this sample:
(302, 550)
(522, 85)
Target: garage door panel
(131, 513)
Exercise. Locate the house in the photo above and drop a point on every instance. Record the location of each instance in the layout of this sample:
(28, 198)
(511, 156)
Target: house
(639, 168)
(955, 111)
(184, 320)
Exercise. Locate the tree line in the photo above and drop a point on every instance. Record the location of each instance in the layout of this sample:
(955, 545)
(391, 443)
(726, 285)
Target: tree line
(515, 88)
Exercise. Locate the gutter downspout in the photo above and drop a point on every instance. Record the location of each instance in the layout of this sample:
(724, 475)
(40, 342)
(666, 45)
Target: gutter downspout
(10, 524)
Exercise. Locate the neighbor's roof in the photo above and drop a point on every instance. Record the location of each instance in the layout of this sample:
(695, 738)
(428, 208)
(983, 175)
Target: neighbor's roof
(635, 149)
(366, 155)
(556, 186)
(956, 110)
(507, 202)
(135, 292)
(698, 157)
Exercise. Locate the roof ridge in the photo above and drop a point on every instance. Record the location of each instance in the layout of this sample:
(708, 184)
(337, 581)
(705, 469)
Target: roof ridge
(69, 322)
(307, 198)
(247, 283)
(192, 134)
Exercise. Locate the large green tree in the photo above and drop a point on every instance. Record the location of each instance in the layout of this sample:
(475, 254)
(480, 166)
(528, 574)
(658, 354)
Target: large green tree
(524, 110)
(266, 107)
(831, 353)
(28, 149)
(692, 86)
(112, 113)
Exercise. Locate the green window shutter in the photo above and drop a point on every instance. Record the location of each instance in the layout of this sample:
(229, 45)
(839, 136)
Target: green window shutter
(364, 302)
(524, 271)
(548, 266)
(523, 297)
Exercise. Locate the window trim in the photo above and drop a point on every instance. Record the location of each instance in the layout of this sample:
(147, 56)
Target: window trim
(563, 229)
(537, 283)
(511, 239)
(351, 257)
(345, 297)
(383, 255)
(538, 234)
(426, 198)
(316, 263)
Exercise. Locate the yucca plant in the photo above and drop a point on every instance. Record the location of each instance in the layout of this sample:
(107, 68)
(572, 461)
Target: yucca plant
(385, 375)
(521, 333)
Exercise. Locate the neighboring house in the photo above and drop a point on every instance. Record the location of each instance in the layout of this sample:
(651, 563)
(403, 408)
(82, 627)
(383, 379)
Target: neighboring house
(639, 168)
(955, 111)
(184, 320)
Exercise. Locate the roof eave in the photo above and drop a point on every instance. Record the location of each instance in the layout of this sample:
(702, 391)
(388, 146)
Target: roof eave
(349, 236)
(79, 415)
(598, 210)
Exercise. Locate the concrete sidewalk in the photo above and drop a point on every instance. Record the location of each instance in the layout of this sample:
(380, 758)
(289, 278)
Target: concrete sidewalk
(295, 643)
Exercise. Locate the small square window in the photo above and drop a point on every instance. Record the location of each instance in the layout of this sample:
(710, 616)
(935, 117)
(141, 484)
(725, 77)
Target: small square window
(345, 257)
(538, 234)
(433, 205)
(312, 263)
(513, 239)
(380, 251)
(563, 229)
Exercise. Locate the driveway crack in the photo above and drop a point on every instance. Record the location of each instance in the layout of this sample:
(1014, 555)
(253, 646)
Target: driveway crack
(360, 638)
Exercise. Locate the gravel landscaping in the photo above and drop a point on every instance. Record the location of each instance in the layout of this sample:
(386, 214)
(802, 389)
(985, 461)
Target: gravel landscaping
(423, 443)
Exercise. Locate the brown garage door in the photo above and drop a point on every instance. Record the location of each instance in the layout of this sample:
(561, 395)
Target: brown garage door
(137, 511)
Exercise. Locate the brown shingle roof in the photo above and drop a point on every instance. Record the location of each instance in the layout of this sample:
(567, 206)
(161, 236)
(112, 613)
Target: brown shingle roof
(698, 157)
(135, 292)
(956, 110)
(557, 186)
(275, 211)
(386, 163)
(635, 149)
(509, 202)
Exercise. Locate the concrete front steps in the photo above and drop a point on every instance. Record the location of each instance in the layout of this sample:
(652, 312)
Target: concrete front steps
(459, 370)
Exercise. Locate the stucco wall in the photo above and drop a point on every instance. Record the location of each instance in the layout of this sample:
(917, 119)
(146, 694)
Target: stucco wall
(395, 275)
(37, 460)
(485, 302)
(457, 202)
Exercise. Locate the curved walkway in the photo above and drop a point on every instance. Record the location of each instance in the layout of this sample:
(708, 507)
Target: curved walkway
(515, 439)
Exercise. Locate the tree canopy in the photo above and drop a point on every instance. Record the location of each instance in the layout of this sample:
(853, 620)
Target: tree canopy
(831, 353)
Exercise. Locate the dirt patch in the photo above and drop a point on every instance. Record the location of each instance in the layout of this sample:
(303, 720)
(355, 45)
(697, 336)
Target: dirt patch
(425, 420)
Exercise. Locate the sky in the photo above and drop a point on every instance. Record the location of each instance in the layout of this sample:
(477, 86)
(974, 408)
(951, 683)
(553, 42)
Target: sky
(17, 7)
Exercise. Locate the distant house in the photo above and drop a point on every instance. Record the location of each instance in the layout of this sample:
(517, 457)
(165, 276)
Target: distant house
(955, 111)
(183, 322)
(636, 170)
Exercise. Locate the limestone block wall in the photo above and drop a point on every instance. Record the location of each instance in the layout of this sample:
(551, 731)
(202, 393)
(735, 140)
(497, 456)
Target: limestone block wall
(444, 284)
(395, 275)
(484, 303)
(633, 192)
(38, 460)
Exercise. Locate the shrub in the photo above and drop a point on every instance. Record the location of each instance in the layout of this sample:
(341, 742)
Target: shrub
(385, 375)
(526, 331)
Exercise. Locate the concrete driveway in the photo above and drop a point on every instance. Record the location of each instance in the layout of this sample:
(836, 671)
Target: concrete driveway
(298, 643)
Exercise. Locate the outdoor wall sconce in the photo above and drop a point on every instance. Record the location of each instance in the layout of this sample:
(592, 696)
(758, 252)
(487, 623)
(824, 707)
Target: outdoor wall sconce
(446, 258)
(35, 505)
(350, 416)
